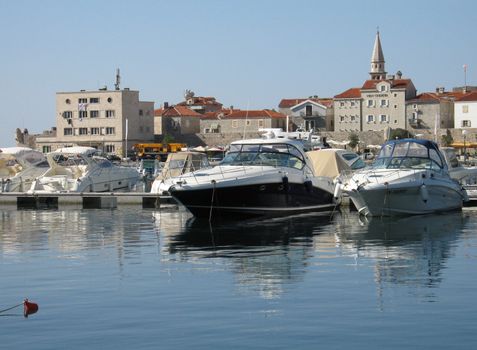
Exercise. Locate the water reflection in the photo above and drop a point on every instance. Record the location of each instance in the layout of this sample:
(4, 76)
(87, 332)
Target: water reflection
(76, 233)
(409, 251)
(263, 255)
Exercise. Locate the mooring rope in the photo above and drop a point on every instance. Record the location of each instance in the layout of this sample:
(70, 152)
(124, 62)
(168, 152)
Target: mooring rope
(10, 308)
(212, 201)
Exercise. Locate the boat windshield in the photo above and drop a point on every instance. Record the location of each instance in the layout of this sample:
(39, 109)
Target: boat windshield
(277, 155)
(408, 155)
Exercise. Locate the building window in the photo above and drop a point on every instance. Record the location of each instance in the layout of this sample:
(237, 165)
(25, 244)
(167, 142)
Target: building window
(353, 118)
(260, 123)
(248, 123)
(94, 131)
(384, 118)
(67, 114)
(110, 148)
(110, 113)
(382, 88)
(353, 103)
(370, 118)
(94, 100)
(342, 118)
(141, 112)
(83, 131)
(309, 111)
(109, 131)
(342, 104)
(46, 149)
(370, 103)
(234, 124)
(83, 114)
(414, 116)
(466, 123)
(465, 109)
(93, 114)
(68, 101)
(82, 100)
(384, 103)
(68, 131)
(110, 99)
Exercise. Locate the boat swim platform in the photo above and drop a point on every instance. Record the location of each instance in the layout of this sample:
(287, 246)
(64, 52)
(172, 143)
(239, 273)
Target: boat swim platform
(86, 200)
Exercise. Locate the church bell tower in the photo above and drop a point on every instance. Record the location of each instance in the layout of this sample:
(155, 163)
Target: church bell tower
(377, 61)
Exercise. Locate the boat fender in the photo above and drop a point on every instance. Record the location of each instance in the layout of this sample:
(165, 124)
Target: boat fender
(285, 183)
(308, 185)
(338, 189)
(424, 193)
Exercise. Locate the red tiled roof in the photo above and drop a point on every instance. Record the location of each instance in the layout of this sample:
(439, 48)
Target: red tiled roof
(215, 115)
(290, 102)
(176, 111)
(471, 96)
(350, 93)
(264, 113)
(435, 96)
(425, 97)
(199, 101)
(395, 83)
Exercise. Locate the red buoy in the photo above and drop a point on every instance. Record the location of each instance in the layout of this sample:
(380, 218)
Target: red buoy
(29, 308)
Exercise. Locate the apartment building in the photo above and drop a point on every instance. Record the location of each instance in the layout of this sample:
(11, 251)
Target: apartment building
(110, 120)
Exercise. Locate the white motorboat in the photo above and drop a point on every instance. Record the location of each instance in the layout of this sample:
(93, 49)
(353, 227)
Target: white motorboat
(19, 166)
(176, 165)
(409, 176)
(81, 169)
(258, 177)
(466, 175)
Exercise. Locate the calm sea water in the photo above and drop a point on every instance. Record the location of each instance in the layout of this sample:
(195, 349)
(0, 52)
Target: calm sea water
(141, 279)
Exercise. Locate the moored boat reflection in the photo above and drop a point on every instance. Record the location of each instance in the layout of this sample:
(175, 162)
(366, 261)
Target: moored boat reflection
(408, 251)
(263, 255)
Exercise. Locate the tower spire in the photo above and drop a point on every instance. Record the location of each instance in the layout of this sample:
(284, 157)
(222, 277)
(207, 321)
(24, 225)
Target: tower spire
(377, 60)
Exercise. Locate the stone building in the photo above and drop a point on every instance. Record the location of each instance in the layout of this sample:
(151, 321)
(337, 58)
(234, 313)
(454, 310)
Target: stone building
(380, 103)
(432, 110)
(200, 104)
(240, 123)
(311, 113)
(110, 120)
(176, 120)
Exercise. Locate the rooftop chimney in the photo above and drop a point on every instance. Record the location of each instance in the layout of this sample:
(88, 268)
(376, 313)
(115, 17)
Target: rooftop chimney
(440, 89)
(166, 105)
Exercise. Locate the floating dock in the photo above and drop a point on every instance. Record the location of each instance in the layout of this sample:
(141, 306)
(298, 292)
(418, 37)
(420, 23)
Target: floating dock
(90, 200)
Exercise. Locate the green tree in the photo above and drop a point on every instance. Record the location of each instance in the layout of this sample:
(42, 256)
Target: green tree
(168, 138)
(400, 134)
(353, 140)
(447, 139)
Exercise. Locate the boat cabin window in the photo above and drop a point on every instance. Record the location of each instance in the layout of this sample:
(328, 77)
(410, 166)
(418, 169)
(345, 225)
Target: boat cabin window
(283, 155)
(408, 155)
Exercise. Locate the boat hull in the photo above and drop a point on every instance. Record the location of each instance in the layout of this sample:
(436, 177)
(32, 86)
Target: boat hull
(264, 199)
(412, 199)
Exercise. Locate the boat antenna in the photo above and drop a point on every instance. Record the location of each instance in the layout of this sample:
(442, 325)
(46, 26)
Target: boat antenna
(245, 124)
(118, 80)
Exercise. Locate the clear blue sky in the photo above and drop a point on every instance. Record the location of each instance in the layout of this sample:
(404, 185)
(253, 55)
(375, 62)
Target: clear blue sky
(245, 53)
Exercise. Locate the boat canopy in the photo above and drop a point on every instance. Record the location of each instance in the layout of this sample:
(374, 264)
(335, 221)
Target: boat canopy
(327, 163)
(183, 162)
(410, 153)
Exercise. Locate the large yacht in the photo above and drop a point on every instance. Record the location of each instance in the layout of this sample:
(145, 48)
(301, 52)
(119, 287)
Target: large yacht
(269, 176)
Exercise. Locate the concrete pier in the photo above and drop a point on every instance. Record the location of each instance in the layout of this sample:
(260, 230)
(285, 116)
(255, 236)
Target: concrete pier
(90, 200)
